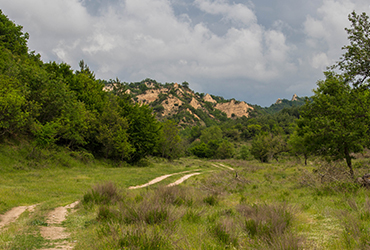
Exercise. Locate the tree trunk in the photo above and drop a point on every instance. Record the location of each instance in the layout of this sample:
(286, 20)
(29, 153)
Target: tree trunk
(349, 162)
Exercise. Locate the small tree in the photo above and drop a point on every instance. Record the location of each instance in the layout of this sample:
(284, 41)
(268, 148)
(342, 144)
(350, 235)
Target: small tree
(225, 150)
(336, 122)
(355, 62)
(267, 146)
(297, 146)
(170, 143)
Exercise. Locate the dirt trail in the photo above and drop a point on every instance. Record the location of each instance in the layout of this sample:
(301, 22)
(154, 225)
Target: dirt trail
(158, 179)
(182, 179)
(13, 214)
(54, 231)
(222, 166)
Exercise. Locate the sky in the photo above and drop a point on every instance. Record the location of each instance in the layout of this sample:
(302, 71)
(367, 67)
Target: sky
(253, 50)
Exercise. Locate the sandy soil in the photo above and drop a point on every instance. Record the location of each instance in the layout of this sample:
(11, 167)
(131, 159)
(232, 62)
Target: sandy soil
(13, 214)
(223, 166)
(54, 230)
(158, 179)
(182, 179)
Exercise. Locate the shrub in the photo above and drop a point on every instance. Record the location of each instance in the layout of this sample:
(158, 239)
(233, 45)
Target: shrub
(225, 232)
(102, 194)
(266, 222)
(211, 200)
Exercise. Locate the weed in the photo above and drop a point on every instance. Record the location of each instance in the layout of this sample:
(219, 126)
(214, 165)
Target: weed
(192, 216)
(102, 194)
(38, 222)
(224, 231)
(211, 200)
(265, 222)
(142, 238)
(106, 214)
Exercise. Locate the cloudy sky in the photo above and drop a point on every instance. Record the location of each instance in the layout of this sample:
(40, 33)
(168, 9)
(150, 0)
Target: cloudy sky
(253, 50)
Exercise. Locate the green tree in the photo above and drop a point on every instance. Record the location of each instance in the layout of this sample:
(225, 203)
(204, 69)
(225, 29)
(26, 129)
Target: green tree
(297, 146)
(211, 133)
(261, 147)
(12, 37)
(225, 150)
(13, 113)
(355, 62)
(113, 133)
(201, 150)
(143, 129)
(170, 143)
(266, 146)
(336, 122)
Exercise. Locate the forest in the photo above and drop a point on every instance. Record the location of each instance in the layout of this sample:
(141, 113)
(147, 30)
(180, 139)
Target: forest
(49, 109)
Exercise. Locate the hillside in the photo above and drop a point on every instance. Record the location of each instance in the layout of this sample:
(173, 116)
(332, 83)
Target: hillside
(183, 105)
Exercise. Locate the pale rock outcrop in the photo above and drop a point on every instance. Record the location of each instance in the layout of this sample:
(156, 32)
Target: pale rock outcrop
(294, 98)
(150, 95)
(195, 115)
(195, 104)
(238, 109)
(171, 104)
(208, 98)
(150, 84)
(278, 101)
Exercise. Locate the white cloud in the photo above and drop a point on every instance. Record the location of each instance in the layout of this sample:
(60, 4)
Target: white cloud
(326, 32)
(133, 40)
(239, 13)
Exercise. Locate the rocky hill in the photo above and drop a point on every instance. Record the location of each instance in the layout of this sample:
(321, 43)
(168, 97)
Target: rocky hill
(178, 102)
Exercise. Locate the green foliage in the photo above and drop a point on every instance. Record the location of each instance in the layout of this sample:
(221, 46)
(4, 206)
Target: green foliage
(335, 123)
(355, 62)
(244, 153)
(225, 150)
(170, 142)
(13, 113)
(12, 37)
(201, 150)
(268, 146)
(211, 133)
(143, 129)
(113, 133)
(297, 146)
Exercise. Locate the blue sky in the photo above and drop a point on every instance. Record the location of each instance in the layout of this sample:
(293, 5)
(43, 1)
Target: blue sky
(255, 51)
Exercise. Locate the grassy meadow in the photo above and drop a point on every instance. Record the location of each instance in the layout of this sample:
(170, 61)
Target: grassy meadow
(277, 205)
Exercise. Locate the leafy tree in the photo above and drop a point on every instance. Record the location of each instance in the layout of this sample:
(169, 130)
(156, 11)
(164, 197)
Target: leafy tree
(355, 62)
(113, 133)
(12, 37)
(211, 133)
(201, 150)
(266, 146)
(143, 129)
(336, 122)
(297, 146)
(261, 147)
(170, 143)
(13, 113)
(225, 150)
(244, 153)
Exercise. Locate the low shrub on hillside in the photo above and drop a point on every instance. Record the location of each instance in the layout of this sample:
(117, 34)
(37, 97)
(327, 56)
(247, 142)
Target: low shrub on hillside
(105, 193)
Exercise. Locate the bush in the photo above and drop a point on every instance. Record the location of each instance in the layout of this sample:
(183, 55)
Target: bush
(266, 222)
(102, 194)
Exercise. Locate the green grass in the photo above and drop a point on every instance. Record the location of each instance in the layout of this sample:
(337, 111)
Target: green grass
(280, 205)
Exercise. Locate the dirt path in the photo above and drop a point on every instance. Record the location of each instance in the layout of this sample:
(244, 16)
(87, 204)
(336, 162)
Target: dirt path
(13, 214)
(158, 179)
(222, 166)
(182, 179)
(54, 231)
